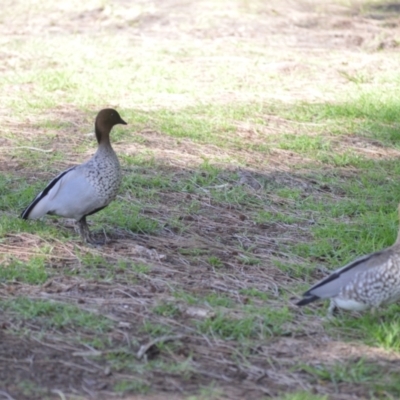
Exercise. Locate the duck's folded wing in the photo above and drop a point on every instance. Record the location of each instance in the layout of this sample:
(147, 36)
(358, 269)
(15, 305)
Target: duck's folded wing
(47, 199)
(333, 284)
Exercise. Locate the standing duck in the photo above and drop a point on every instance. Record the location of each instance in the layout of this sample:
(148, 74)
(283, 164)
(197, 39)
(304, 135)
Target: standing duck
(86, 188)
(366, 283)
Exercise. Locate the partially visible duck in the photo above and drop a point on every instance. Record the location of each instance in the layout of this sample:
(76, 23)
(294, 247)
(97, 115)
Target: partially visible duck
(86, 188)
(366, 283)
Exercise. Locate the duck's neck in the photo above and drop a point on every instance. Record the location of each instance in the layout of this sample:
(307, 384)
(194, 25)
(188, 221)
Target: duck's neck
(103, 137)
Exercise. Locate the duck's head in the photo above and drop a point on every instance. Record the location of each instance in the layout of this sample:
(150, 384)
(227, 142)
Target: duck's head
(105, 120)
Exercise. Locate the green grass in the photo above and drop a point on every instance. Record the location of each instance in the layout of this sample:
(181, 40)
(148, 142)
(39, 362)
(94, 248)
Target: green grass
(208, 392)
(257, 323)
(166, 309)
(302, 396)
(30, 387)
(32, 272)
(127, 386)
(356, 372)
(57, 315)
(375, 330)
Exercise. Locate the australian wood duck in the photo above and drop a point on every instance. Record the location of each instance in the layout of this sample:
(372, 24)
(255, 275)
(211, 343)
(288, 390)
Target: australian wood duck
(86, 188)
(366, 283)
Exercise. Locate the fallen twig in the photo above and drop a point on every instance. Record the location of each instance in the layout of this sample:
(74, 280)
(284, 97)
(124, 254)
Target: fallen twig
(162, 339)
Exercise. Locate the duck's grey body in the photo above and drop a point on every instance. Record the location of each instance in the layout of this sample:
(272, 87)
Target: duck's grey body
(86, 188)
(367, 282)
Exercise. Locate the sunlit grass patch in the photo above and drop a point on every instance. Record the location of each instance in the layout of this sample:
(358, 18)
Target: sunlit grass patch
(376, 330)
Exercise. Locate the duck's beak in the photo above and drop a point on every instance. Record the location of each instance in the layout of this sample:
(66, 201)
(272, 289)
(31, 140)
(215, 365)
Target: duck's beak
(121, 121)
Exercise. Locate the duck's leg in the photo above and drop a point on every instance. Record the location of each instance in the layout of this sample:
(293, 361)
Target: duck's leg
(331, 309)
(84, 230)
(85, 233)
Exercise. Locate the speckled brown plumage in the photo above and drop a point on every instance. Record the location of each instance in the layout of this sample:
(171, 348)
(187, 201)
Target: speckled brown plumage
(103, 173)
(368, 282)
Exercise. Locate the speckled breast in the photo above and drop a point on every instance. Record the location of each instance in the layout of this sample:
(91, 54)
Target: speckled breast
(104, 175)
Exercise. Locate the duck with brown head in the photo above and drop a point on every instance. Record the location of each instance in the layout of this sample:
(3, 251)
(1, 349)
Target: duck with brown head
(86, 188)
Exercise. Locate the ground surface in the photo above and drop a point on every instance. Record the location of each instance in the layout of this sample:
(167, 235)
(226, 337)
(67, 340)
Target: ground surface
(258, 155)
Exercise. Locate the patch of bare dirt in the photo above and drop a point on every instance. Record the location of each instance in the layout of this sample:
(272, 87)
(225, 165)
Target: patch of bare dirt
(368, 148)
(50, 368)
